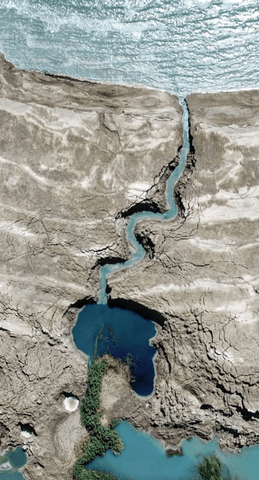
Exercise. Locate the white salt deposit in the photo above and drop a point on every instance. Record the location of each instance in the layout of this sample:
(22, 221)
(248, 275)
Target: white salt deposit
(26, 434)
(71, 404)
(5, 466)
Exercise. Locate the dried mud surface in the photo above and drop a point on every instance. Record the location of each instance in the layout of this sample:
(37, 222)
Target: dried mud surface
(202, 277)
(75, 157)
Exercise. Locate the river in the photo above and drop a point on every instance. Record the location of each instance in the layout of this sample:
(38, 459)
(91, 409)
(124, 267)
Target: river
(137, 248)
(182, 46)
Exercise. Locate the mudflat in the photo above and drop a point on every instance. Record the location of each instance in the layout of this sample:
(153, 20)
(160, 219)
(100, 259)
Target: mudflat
(75, 157)
(202, 277)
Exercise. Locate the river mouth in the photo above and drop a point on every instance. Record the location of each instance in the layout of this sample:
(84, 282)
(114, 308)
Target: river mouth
(123, 334)
(202, 57)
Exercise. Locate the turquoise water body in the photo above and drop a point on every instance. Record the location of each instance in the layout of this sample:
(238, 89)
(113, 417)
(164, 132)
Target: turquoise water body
(11, 475)
(17, 457)
(181, 46)
(139, 251)
(145, 458)
(13, 460)
(124, 333)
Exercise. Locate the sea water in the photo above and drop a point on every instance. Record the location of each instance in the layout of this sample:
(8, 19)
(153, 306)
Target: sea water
(181, 46)
(145, 458)
(121, 333)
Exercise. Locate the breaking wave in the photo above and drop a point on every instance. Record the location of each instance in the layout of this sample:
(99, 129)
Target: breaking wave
(190, 45)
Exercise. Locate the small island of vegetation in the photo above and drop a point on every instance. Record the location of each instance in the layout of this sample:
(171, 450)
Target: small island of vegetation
(211, 469)
(101, 438)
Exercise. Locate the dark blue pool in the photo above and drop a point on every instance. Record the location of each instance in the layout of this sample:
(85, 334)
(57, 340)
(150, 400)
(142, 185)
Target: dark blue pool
(121, 333)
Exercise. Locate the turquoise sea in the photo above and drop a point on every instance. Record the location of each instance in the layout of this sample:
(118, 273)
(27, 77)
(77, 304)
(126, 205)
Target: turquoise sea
(144, 458)
(181, 46)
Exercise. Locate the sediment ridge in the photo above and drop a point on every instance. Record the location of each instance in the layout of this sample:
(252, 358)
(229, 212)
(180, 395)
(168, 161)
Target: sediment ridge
(203, 280)
(73, 156)
(76, 158)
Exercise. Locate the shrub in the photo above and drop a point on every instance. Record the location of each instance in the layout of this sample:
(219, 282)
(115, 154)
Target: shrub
(114, 422)
(101, 438)
(211, 468)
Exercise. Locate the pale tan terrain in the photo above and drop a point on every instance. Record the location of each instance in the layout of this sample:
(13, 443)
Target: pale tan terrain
(75, 157)
(202, 277)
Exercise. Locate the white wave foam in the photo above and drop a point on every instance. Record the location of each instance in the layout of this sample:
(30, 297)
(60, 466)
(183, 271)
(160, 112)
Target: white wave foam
(189, 45)
(196, 3)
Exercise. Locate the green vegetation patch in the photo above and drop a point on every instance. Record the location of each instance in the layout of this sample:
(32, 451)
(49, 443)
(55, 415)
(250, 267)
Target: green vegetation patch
(101, 438)
(211, 468)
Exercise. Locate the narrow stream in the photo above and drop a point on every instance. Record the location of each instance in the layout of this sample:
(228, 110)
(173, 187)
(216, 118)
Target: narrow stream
(182, 47)
(137, 249)
(93, 320)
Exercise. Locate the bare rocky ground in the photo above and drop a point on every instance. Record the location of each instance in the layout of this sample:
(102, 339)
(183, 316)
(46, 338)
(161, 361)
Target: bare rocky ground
(201, 275)
(75, 158)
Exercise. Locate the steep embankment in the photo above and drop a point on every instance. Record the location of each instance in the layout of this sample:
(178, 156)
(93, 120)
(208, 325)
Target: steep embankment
(202, 277)
(73, 157)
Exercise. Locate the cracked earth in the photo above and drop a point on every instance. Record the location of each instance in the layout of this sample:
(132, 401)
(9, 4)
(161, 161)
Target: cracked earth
(201, 276)
(76, 159)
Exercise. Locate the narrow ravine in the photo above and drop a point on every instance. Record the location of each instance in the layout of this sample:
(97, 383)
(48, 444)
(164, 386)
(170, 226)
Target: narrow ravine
(138, 250)
(181, 47)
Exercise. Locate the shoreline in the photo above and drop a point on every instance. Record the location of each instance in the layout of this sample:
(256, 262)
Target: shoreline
(132, 85)
(75, 314)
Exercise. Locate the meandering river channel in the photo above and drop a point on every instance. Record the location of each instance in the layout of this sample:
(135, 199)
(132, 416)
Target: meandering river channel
(138, 250)
(182, 46)
(143, 456)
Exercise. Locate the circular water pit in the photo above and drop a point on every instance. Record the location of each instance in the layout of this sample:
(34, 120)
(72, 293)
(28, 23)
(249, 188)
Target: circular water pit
(123, 334)
(71, 404)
